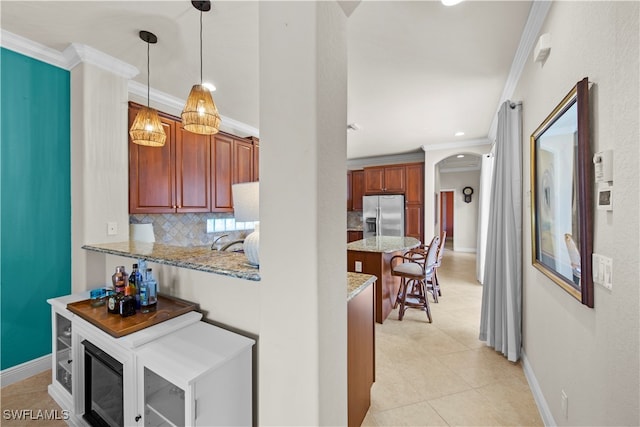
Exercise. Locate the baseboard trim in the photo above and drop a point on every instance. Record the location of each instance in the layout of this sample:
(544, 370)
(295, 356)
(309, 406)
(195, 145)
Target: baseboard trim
(543, 408)
(25, 370)
(469, 250)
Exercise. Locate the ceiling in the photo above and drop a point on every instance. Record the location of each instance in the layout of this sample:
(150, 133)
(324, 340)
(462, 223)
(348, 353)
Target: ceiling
(418, 71)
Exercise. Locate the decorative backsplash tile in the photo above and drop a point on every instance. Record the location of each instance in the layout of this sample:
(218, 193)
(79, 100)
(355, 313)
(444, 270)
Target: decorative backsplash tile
(354, 219)
(190, 229)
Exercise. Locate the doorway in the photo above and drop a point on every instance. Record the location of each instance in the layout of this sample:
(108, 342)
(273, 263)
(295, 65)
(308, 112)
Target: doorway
(446, 213)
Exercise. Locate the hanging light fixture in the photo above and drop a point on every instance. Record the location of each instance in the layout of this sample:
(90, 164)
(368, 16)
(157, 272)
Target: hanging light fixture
(200, 114)
(147, 128)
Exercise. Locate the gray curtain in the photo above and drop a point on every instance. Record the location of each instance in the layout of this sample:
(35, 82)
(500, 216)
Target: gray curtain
(501, 316)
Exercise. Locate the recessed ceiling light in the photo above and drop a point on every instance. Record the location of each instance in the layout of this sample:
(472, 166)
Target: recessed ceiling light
(209, 86)
(451, 2)
(459, 133)
(460, 156)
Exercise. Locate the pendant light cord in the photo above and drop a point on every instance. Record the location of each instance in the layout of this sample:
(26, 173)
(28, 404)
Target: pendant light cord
(148, 76)
(201, 46)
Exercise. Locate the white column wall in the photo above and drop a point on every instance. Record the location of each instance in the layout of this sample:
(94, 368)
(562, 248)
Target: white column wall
(302, 247)
(99, 167)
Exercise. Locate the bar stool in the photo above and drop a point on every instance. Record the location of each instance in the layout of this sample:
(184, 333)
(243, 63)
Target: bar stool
(415, 272)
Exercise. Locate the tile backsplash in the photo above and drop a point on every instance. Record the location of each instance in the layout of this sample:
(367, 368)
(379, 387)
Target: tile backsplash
(354, 219)
(190, 229)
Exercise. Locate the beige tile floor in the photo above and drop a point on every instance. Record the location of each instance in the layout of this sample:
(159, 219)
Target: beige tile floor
(440, 374)
(435, 374)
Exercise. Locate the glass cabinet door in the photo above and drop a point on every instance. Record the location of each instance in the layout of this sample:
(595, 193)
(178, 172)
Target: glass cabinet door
(63, 351)
(163, 401)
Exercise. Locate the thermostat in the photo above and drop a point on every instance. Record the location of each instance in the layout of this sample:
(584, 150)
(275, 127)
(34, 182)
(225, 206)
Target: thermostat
(605, 197)
(603, 165)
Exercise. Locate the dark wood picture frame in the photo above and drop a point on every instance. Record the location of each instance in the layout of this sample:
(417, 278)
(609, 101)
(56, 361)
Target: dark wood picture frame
(562, 195)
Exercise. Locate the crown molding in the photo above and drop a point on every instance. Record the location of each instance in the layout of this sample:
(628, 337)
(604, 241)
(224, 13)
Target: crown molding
(76, 53)
(73, 55)
(32, 49)
(537, 16)
(174, 103)
(457, 144)
(385, 160)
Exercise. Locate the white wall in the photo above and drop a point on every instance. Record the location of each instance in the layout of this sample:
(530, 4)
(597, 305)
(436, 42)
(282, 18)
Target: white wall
(591, 354)
(465, 215)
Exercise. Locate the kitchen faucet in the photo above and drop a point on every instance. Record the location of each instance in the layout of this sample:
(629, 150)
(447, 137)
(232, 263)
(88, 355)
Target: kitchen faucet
(213, 245)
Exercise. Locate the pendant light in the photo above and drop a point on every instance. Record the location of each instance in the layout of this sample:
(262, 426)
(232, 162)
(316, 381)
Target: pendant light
(147, 128)
(200, 114)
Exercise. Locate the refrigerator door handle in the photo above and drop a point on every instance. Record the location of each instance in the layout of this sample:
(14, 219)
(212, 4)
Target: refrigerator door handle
(379, 224)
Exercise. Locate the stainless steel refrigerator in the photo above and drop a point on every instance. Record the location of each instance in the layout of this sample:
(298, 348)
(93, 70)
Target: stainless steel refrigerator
(383, 215)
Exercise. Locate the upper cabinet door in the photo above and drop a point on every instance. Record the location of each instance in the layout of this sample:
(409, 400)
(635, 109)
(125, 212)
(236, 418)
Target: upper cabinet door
(222, 176)
(374, 180)
(394, 179)
(384, 179)
(242, 161)
(357, 189)
(415, 183)
(193, 169)
(152, 173)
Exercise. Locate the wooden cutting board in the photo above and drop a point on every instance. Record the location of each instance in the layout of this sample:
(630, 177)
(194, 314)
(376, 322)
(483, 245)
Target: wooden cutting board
(118, 326)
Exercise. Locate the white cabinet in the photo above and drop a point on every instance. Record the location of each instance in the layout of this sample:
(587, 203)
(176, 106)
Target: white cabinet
(200, 375)
(180, 372)
(62, 356)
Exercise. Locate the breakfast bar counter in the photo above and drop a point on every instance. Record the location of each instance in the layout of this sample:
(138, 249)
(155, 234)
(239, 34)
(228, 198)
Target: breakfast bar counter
(200, 258)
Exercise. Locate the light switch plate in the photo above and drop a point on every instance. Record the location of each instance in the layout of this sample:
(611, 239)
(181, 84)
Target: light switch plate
(358, 267)
(602, 268)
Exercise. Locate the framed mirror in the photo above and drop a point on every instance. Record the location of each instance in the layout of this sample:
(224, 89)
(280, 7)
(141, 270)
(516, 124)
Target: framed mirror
(562, 195)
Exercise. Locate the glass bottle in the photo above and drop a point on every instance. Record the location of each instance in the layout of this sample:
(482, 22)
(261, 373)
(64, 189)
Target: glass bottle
(134, 284)
(119, 279)
(149, 301)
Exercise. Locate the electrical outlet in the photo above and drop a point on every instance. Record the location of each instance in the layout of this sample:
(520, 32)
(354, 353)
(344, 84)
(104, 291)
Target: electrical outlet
(112, 228)
(564, 402)
(358, 266)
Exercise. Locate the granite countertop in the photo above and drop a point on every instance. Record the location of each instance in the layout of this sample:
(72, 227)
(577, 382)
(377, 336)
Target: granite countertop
(196, 257)
(355, 228)
(357, 282)
(383, 244)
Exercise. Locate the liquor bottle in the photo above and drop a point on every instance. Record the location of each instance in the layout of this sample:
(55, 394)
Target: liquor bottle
(113, 301)
(134, 283)
(148, 293)
(119, 279)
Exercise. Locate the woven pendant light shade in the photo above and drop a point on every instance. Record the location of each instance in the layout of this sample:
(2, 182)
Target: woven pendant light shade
(200, 114)
(147, 128)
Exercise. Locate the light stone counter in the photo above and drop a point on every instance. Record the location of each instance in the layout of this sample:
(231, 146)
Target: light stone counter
(384, 244)
(200, 258)
(357, 282)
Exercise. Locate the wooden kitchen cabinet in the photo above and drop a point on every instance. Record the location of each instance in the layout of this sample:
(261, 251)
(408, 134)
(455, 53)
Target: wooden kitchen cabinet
(414, 201)
(191, 172)
(353, 235)
(349, 191)
(234, 161)
(360, 354)
(172, 178)
(384, 179)
(357, 189)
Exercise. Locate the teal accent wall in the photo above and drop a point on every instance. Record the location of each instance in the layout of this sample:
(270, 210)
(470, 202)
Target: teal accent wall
(35, 202)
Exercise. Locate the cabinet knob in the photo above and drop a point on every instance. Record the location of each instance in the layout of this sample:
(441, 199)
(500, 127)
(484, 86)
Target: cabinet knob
(138, 418)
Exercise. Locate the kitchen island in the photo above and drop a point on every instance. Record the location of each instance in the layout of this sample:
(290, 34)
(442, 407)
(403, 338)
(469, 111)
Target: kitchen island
(200, 258)
(372, 256)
